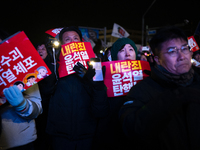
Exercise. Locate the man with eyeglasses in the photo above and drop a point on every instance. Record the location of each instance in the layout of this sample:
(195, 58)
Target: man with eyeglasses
(163, 110)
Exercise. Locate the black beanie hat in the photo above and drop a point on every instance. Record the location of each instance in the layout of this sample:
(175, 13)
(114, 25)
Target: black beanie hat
(118, 45)
(71, 28)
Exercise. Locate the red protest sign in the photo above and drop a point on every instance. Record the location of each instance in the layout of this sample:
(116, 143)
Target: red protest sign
(54, 32)
(121, 75)
(71, 53)
(20, 63)
(193, 44)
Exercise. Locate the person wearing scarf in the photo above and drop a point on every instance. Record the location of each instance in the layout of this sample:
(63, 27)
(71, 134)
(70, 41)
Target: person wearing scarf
(163, 111)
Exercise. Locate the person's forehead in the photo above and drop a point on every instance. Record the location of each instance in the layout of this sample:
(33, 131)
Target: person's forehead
(128, 45)
(174, 42)
(41, 46)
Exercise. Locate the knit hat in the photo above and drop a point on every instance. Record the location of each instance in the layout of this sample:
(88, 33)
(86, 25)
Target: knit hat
(71, 28)
(118, 46)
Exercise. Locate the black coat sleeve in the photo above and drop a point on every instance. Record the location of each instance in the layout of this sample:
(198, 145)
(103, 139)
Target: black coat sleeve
(146, 114)
(100, 105)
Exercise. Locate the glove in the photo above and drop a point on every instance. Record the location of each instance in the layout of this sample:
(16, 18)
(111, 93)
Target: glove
(15, 98)
(83, 72)
(88, 75)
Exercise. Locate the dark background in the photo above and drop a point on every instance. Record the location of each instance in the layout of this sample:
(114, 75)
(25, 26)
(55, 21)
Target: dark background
(36, 17)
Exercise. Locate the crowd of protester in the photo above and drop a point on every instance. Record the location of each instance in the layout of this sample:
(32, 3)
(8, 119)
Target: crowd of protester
(74, 112)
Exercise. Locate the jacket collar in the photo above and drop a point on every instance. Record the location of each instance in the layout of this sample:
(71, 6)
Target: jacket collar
(166, 79)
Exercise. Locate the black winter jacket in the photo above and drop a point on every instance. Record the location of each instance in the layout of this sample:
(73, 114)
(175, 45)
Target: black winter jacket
(75, 107)
(162, 115)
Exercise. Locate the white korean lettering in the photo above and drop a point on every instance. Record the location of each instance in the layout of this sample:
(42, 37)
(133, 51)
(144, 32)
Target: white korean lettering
(127, 77)
(127, 87)
(1, 69)
(118, 90)
(68, 60)
(77, 56)
(138, 75)
(116, 79)
(84, 55)
(9, 75)
(2, 81)
(57, 30)
(29, 63)
(20, 68)
(16, 54)
(69, 69)
(5, 60)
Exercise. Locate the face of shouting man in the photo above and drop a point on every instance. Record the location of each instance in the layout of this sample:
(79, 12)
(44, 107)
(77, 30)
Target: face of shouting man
(42, 51)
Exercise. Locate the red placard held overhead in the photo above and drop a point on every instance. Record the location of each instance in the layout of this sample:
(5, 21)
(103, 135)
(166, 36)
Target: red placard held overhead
(121, 75)
(71, 53)
(20, 63)
(54, 32)
(193, 44)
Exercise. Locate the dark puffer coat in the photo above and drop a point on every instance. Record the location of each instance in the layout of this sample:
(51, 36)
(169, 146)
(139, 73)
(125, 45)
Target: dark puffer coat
(75, 108)
(161, 114)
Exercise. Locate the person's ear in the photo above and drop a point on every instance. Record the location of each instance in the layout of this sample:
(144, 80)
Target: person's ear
(156, 58)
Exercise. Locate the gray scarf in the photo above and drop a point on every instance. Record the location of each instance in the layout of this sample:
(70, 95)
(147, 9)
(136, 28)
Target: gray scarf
(183, 79)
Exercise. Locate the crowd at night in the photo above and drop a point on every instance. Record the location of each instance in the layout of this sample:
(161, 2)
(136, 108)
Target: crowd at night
(67, 83)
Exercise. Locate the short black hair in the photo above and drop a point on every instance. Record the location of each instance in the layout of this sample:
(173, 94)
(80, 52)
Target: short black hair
(105, 56)
(39, 44)
(19, 82)
(30, 77)
(164, 35)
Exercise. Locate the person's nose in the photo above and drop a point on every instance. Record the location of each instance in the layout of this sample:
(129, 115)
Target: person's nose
(181, 55)
(39, 51)
(127, 53)
(72, 39)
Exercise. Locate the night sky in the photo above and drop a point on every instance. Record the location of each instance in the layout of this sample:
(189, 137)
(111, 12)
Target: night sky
(36, 17)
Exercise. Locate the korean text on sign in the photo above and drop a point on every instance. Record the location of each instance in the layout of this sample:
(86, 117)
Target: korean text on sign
(193, 44)
(19, 62)
(72, 53)
(122, 75)
(21, 65)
